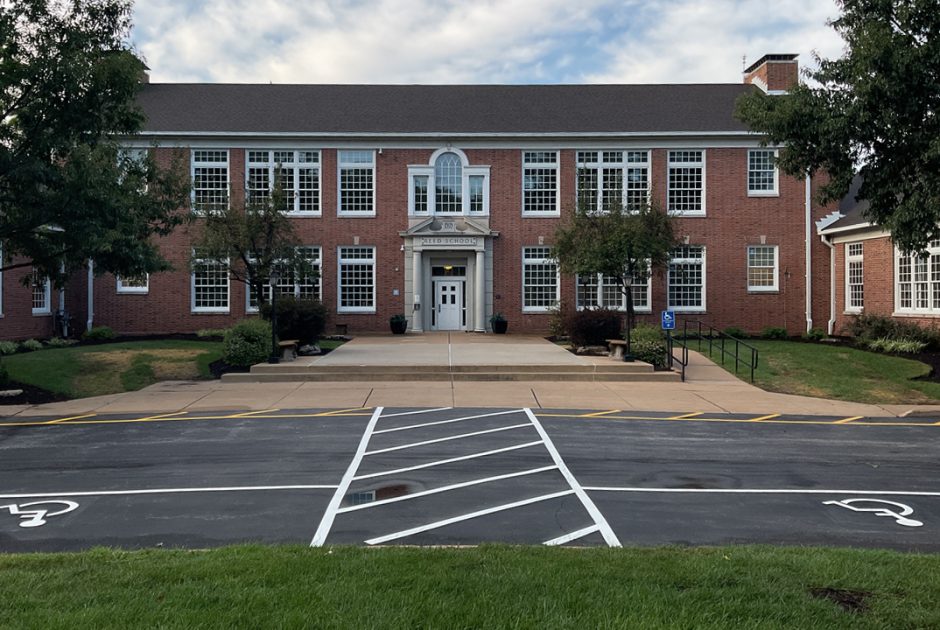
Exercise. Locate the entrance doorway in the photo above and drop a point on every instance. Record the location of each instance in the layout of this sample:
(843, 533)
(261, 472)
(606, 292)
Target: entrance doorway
(448, 305)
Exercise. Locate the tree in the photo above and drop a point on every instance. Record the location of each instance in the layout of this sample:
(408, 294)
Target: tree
(251, 240)
(622, 243)
(876, 111)
(68, 192)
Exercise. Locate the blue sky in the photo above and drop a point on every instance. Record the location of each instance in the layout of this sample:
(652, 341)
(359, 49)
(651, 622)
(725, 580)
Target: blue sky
(484, 41)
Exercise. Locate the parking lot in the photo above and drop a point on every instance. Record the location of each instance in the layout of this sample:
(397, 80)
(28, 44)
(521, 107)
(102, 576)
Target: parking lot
(459, 476)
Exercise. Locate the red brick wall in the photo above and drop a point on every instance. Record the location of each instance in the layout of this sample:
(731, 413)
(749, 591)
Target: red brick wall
(776, 75)
(18, 321)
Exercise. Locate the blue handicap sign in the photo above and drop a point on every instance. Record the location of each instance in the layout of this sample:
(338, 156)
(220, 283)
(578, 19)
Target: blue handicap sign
(669, 320)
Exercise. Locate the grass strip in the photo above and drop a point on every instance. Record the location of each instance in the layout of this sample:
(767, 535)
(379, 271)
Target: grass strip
(483, 587)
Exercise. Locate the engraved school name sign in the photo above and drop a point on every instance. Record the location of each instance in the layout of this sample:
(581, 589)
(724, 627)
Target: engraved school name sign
(448, 240)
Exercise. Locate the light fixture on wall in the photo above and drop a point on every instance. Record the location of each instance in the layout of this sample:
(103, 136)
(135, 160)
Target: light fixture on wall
(448, 267)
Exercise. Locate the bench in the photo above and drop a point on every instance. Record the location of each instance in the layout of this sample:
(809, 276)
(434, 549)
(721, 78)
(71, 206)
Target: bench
(617, 347)
(288, 349)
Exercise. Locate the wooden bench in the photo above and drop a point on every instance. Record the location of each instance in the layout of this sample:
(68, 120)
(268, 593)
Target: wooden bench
(288, 349)
(617, 347)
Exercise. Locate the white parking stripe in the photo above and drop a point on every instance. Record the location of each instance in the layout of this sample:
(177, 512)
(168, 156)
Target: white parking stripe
(581, 533)
(441, 462)
(330, 514)
(414, 413)
(431, 424)
(907, 493)
(609, 536)
(446, 439)
(457, 519)
(107, 493)
(456, 486)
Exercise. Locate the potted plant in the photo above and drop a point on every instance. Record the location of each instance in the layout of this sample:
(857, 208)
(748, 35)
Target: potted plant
(398, 324)
(499, 323)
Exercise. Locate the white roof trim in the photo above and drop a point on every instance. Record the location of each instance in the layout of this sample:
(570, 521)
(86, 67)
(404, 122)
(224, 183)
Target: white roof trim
(847, 228)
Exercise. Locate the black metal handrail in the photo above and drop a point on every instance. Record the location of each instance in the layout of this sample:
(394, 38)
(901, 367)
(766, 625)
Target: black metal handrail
(718, 339)
(682, 359)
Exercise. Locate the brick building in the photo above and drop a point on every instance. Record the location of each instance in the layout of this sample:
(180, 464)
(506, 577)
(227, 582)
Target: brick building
(441, 202)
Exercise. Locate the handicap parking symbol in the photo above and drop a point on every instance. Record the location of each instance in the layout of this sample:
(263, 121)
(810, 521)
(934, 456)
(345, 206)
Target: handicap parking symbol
(669, 320)
(878, 507)
(32, 515)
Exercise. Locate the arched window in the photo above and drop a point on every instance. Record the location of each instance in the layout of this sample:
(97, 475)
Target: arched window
(448, 184)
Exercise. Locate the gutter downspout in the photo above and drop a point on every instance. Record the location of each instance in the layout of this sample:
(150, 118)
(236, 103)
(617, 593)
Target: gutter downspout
(809, 253)
(832, 284)
(91, 295)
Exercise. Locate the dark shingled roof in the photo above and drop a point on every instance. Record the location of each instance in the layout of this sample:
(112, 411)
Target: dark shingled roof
(456, 109)
(853, 209)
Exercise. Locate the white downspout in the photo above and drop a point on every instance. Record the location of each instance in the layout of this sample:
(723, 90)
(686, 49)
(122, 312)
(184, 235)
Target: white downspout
(91, 295)
(832, 284)
(809, 252)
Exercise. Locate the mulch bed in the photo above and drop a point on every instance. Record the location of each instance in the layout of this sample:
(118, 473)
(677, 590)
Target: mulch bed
(31, 395)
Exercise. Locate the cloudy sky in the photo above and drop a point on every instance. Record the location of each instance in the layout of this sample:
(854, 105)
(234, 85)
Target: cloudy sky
(483, 41)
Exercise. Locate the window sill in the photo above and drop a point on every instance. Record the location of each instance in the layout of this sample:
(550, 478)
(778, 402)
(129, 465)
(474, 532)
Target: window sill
(356, 215)
(41, 313)
(683, 215)
(929, 315)
(210, 312)
(353, 311)
(302, 215)
(759, 194)
(774, 291)
(681, 310)
(132, 292)
(541, 215)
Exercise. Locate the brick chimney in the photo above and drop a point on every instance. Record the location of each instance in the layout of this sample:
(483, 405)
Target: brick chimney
(774, 74)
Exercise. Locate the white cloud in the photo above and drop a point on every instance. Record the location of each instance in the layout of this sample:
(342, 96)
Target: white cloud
(487, 41)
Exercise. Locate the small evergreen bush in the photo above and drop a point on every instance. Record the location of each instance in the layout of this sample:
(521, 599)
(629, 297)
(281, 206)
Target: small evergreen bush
(867, 328)
(31, 345)
(8, 347)
(211, 333)
(59, 342)
(298, 318)
(734, 331)
(593, 327)
(99, 333)
(774, 332)
(247, 342)
(814, 334)
(911, 346)
(648, 344)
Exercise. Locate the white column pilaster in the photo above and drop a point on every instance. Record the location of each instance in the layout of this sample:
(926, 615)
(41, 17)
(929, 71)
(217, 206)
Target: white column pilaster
(479, 297)
(416, 287)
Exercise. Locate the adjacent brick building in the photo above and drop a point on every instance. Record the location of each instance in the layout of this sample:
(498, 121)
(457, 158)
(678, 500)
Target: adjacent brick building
(441, 202)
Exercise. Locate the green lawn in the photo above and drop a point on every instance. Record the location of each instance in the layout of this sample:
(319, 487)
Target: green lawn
(110, 368)
(485, 587)
(835, 371)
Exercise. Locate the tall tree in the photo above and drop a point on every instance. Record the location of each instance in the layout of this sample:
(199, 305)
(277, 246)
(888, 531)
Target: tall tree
(622, 243)
(68, 81)
(875, 111)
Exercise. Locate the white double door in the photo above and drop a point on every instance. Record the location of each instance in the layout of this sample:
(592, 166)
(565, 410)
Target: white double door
(448, 304)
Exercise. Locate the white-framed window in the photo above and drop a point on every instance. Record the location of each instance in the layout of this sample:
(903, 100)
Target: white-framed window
(917, 289)
(210, 286)
(356, 280)
(356, 183)
(762, 268)
(448, 186)
(686, 185)
(854, 277)
(540, 285)
(299, 285)
(762, 177)
(210, 180)
(602, 291)
(687, 279)
(299, 179)
(41, 291)
(540, 183)
(134, 284)
(613, 178)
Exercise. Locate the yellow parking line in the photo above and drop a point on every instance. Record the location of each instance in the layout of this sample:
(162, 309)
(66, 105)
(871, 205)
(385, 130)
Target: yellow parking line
(248, 414)
(598, 414)
(687, 416)
(87, 415)
(163, 415)
(336, 412)
(747, 420)
(767, 417)
(847, 420)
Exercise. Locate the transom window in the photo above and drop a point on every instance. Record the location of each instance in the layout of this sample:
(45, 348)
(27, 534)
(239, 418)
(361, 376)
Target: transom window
(613, 178)
(299, 179)
(133, 284)
(686, 182)
(448, 185)
(687, 278)
(539, 279)
(855, 277)
(762, 267)
(603, 291)
(210, 285)
(918, 281)
(290, 282)
(540, 183)
(761, 172)
(210, 181)
(356, 284)
(356, 183)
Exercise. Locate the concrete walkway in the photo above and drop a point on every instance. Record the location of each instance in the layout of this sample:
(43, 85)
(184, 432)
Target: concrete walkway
(708, 387)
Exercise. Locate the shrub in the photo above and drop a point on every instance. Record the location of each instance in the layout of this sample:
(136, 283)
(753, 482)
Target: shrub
(557, 314)
(301, 319)
(247, 342)
(734, 331)
(4, 376)
(867, 327)
(211, 333)
(911, 346)
(8, 347)
(648, 344)
(99, 333)
(592, 327)
(59, 342)
(774, 332)
(814, 334)
(31, 345)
